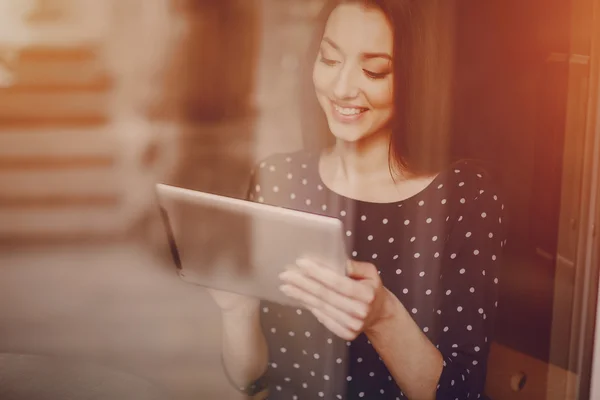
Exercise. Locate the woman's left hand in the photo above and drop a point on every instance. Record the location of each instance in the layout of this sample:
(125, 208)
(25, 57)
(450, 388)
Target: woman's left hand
(346, 305)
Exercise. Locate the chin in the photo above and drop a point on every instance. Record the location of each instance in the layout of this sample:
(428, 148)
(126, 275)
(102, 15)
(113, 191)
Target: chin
(358, 132)
(348, 134)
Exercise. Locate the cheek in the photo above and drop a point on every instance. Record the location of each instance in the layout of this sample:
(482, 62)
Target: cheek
(381, 96)
(321, 79)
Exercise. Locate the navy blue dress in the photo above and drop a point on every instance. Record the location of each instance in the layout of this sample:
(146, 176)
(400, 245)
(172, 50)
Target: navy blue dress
(439, 252)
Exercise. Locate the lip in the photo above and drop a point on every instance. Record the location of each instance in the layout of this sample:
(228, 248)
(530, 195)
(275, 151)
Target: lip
(346, 118)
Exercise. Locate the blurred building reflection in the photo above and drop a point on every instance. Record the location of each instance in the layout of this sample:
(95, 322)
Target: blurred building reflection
(77, 154)
(99, 100)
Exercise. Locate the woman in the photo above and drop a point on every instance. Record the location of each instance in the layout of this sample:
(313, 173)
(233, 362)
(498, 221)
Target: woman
(414, 315)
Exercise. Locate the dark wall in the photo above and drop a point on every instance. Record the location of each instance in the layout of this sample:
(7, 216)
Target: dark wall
(510, 105)
(500, 58)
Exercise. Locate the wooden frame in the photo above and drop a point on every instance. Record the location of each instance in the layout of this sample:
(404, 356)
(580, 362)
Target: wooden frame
(589, 353)
(579, 210)
(594, 260)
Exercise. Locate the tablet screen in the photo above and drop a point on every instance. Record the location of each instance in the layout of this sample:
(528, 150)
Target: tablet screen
(241, 246)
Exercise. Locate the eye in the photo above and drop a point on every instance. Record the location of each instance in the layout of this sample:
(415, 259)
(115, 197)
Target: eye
(375, 75)
(328, 61)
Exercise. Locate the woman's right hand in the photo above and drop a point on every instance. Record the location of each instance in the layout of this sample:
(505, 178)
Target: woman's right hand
(233, 303)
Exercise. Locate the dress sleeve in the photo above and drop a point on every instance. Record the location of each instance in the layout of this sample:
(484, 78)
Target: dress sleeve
(469, 296)
(264, 175)
(258, 180)
(250, 194)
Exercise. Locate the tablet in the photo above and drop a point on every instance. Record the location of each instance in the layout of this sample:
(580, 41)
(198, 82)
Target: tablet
(241, 246)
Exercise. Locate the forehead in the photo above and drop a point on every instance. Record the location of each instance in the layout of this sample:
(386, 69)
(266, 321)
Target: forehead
(356, 28)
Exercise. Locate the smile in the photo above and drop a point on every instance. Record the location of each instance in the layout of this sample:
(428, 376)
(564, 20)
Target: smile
(347, 114)
(348, 111)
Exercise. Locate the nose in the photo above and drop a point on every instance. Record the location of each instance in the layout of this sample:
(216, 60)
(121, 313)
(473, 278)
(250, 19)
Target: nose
(345, 86)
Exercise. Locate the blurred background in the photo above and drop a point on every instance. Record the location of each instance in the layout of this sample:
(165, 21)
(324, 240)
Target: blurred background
(100, 100)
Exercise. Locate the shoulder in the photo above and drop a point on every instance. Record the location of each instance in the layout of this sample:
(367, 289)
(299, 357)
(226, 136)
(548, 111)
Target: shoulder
(280, 173)
(476, 198)
(472, 194)
(279, 166)
(469, 181)
(284, 161)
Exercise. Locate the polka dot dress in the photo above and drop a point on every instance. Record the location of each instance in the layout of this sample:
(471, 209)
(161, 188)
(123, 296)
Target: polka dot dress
(438, 252)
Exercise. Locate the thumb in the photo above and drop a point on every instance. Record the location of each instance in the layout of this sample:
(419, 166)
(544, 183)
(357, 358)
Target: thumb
(361, 270)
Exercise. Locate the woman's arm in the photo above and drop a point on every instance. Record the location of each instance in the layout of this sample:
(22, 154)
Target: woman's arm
(244, 348)
(349, 305)
(413, 361)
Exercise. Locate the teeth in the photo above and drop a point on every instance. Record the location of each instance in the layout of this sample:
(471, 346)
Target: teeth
(347, 111)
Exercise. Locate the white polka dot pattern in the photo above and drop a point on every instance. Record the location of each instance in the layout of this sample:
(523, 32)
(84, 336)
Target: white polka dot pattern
(433, 248)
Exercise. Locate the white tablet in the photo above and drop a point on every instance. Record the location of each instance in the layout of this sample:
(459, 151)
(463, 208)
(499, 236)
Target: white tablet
(242, 246)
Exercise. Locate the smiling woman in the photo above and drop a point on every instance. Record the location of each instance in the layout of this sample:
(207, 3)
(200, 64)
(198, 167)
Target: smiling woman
(416, 87)
(342, 69)
(414, 314)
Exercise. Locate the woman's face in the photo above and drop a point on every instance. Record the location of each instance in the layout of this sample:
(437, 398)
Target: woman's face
(353, 72)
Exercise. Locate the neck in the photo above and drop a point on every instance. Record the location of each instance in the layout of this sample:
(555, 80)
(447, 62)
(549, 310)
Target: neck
(367, 159)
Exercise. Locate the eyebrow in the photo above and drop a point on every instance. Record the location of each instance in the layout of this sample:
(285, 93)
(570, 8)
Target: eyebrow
(366, 56)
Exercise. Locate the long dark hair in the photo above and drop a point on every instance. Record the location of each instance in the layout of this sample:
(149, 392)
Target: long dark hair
(423, 69)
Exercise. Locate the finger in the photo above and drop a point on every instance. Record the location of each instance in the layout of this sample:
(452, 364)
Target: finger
(362, 271)
(324, 293)
(343, 285)
(334, 326)
(312, 302)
